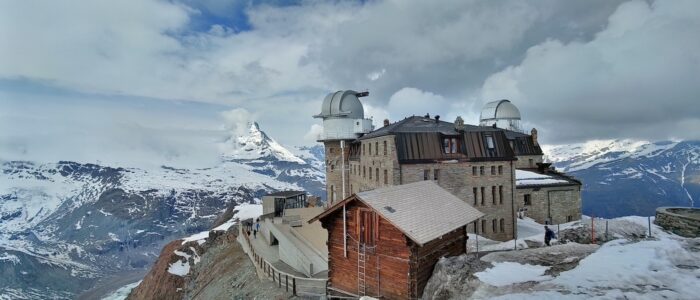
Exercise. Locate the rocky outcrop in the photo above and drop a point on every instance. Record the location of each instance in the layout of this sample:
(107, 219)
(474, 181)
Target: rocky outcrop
(453, 277)
(158, 283)
(217, 269)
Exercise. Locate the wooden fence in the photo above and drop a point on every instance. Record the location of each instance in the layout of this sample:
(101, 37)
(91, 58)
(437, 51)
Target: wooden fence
(299, 286)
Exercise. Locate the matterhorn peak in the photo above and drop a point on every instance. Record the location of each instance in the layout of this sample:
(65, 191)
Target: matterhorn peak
(256, 144)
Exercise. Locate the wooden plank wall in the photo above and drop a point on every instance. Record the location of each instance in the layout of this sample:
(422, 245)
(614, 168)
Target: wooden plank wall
(423, 259)
(387, 266)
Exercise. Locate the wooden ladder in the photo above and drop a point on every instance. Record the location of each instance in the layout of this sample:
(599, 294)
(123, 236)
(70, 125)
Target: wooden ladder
(361, 264)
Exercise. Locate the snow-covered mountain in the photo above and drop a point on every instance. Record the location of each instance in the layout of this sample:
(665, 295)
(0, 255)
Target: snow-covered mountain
(624, 177)
(65, 225)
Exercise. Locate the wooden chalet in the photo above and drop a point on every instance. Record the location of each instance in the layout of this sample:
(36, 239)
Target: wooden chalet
(386, 242)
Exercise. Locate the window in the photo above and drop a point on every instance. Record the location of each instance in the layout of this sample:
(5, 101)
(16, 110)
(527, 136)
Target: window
(370, 173)
(500, 170)
(367, 227)
(493, 170)
(569, 219)
(527, 200)
(474, 171)
(363, 149)
(449, 145)
(436, 174)
(476, 195)
(500, 194)
(351, 189)
(332, 167)
(386, 177)
(483, 195)
(332, 193)
(481, 170)
(331, 150)
(483, 226)
(376, 177)
(489, 142)
(503, 225)
(376, 148)
(369, 149)
(426, 173)
(531, 163)
(384, 147)
(493, 194)
(493, 225)
(364, 172)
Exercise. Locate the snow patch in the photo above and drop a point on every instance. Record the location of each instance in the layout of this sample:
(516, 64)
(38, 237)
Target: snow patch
(507, 273)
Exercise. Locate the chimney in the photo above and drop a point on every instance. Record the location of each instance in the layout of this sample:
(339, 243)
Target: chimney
(386, 122)
(459, 123)
(437, 119)
(427, 116)
(533, 133)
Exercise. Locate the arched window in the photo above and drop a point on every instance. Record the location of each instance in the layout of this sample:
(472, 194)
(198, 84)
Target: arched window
(493, 225)
(483, 226)
(503, 225)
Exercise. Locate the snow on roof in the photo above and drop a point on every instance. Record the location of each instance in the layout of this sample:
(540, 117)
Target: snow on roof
(530, 178)
(423, 210)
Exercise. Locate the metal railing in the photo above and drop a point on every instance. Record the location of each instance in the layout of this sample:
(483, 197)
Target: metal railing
(300, 286)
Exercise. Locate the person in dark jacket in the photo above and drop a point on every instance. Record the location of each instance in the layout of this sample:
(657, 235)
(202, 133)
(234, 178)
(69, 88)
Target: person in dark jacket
(548, 235)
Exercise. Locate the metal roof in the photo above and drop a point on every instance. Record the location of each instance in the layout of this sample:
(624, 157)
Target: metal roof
(286, 194)
(423, 210)
(342, 104)
(501, 109)
(532, 178)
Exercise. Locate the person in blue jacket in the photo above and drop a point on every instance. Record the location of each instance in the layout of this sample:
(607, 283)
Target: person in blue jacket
(548, 235)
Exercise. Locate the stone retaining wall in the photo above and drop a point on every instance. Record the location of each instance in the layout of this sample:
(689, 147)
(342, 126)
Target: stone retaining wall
(683, 221)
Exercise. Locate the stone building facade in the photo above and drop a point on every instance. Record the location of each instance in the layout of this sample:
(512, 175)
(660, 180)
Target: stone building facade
(547, 196)
(375, 160)
(478, 164)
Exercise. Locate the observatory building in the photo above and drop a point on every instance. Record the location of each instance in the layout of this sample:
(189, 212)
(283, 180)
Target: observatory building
(502, 114)
(343, 122)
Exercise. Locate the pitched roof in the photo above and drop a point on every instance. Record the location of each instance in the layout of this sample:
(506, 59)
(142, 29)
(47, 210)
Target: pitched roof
(533, 178)
(423, 211)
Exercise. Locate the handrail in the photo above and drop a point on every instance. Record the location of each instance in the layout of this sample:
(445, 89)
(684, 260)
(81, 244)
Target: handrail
(269, 270)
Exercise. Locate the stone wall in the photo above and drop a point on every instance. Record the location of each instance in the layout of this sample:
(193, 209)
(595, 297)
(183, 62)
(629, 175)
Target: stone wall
(457, 178)
(493, 191)
(334, 163)
(528, 161)
(559, 204)
(374, 159)
(683, 221)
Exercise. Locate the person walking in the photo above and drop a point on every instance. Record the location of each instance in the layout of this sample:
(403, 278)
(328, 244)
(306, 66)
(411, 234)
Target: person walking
(548, 235)
(256, 229)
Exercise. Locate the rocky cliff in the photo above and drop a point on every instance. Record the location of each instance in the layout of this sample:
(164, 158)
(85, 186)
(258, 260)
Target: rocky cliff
(216, 268)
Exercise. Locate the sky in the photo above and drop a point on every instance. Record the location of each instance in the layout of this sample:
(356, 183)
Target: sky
(149, 81)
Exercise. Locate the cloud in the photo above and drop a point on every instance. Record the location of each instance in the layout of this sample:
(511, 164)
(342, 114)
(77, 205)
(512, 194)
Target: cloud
(312, 135)
(237, 121)
(575, 69)
(638, 77)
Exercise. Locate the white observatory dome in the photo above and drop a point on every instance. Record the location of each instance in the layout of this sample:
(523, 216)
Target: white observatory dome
(343, 116)
(342, 104)
(502, 113)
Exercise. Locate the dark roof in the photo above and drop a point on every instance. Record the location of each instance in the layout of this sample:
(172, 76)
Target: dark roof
(286, 194)
(420, 139)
